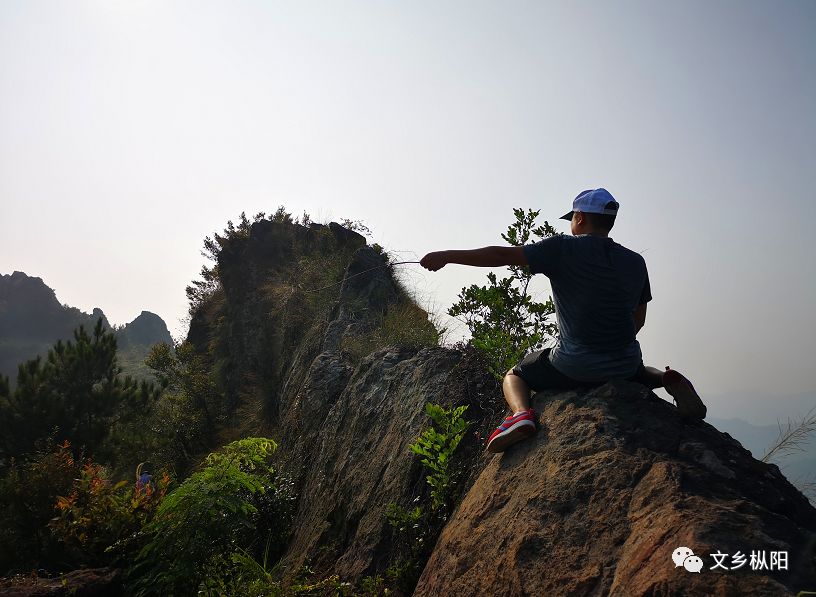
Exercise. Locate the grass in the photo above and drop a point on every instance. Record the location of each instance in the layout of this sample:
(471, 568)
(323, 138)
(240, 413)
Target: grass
(793, 437)
(405, 324)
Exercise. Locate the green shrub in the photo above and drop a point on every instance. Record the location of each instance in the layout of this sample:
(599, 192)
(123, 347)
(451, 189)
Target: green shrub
(28, 493)
(98, 513)
(184, 419)
(504, 321)
(236, 498)
(436, 445)
(414, 528)
(411, 528)
(242, 574)
(373, 586)
(314, 284)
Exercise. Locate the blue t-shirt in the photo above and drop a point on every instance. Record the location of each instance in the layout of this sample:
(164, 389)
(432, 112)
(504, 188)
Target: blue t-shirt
(596, 284)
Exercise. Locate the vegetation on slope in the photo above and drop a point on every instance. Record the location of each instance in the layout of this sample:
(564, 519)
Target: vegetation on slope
(75, 429)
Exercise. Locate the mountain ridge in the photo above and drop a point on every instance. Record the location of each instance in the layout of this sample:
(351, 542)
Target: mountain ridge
(32, 319)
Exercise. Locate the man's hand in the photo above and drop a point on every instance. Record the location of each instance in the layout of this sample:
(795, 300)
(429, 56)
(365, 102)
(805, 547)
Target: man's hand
(434, 261)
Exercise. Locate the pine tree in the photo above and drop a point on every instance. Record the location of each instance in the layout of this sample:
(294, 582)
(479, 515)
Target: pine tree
(76, 393)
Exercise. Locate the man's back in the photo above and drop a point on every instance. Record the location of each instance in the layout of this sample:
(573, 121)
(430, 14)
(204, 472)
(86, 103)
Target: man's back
(600, 290)
(597, 284)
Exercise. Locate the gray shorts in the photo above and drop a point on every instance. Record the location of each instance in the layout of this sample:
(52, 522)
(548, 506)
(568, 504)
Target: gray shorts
(539, 373)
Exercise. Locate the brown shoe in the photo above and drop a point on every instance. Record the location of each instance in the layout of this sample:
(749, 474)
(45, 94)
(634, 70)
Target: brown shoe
(685, 396)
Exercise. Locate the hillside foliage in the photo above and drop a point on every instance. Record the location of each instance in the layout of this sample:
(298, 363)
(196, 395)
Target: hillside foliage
(204, 513)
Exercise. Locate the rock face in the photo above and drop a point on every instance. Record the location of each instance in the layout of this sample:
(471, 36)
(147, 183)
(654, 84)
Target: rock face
(263, 315)
(360, 461)
(598, 500)
(343, 426)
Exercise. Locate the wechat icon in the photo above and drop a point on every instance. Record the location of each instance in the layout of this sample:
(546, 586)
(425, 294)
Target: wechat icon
(683, 556)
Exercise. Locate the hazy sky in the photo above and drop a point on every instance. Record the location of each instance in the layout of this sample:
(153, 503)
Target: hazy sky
(131, 130)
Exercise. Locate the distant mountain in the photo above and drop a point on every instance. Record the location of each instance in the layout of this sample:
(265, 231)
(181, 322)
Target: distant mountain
(146, 330)
(760, 409)
(135, 339)
(32, 320)
(797, 466)
(756, 438)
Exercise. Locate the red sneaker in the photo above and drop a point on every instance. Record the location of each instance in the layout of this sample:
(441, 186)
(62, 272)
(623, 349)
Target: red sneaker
(685, 396)
(514, 429)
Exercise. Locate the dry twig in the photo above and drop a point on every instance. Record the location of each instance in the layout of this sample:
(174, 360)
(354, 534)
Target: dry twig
(793, 437)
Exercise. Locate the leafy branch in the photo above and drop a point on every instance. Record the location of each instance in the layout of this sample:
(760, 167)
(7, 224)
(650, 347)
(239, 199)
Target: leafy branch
(436, 445)
(504, 321)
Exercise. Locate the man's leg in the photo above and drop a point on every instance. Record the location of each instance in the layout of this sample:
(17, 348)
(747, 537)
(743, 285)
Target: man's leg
(538, 373)
(651, 377)
(516, 392)
(685, 396)
(521, 423)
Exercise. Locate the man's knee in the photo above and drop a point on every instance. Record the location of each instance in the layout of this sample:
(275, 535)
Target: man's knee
(510, 372)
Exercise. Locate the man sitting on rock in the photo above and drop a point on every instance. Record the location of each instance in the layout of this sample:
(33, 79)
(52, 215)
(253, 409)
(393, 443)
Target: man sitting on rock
(600, 290)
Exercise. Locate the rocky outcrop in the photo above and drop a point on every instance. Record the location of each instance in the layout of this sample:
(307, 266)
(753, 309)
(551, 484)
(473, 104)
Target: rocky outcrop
(360, 461)
(292, 299)
(598, 501)
(146, 330)
(263, 318)
(595, 504)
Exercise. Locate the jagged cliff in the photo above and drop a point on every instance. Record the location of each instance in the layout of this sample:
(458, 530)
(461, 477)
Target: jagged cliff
(595, 504)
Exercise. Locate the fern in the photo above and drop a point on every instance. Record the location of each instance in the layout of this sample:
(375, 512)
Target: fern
(213, 513)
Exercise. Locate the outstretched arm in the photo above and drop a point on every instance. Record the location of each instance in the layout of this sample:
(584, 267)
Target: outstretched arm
(484, 257)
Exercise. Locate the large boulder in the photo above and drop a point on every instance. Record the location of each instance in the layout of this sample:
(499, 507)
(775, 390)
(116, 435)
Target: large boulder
(599, 500)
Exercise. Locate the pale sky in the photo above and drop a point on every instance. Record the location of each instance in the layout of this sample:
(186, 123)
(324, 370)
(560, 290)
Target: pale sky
(131, 130)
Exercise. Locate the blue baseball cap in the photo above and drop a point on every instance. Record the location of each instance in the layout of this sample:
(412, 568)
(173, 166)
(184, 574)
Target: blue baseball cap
(594, 201)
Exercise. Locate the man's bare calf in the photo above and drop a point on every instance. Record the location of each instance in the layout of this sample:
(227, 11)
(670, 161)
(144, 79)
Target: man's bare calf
(517, 392)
